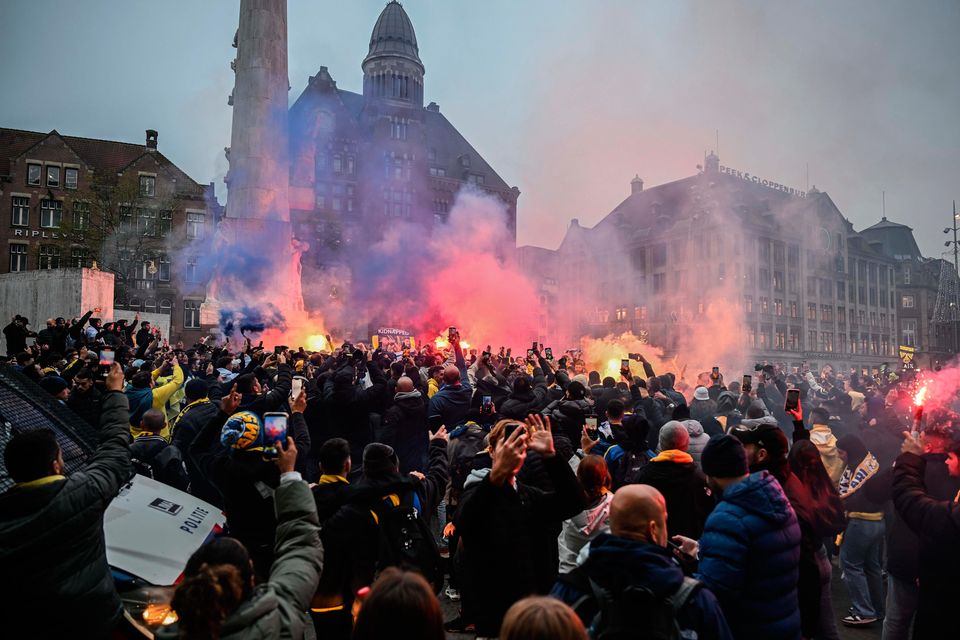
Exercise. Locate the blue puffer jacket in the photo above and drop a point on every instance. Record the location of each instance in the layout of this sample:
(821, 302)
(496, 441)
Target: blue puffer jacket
(749, 557)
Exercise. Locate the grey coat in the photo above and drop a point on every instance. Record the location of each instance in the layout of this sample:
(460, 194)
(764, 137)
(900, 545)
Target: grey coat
(277, 608)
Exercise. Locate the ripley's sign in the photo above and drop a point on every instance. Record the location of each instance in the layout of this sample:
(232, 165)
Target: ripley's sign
(28, 233)
(766, 183)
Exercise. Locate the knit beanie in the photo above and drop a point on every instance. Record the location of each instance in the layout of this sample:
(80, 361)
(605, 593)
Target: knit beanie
(379, 459)
(242, 431)
(53, 384)
(724, 457)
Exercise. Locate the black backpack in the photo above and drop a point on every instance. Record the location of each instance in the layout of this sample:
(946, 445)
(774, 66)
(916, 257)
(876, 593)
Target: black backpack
(628, 471)
(405, 541)
(637, 612)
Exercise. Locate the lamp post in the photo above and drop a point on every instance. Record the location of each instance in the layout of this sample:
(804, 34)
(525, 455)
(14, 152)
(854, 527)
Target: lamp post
(955, 305)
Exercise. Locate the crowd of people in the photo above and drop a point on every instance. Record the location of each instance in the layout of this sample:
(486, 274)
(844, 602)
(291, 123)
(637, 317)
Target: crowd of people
(545, 500)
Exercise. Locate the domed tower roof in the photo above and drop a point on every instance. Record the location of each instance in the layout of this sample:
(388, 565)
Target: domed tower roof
(393, 36)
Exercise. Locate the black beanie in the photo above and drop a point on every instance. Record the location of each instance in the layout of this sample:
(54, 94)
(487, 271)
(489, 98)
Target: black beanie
(379, 459)
(724, 457)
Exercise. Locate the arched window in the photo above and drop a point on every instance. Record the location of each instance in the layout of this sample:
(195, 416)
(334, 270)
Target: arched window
(134, 304)
(150, 306)
(165, 306)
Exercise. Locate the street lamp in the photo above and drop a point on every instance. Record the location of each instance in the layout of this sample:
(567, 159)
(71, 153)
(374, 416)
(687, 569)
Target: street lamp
(956, 266)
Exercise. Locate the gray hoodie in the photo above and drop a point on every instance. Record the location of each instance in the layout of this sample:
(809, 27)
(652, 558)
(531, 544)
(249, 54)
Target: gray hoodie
(698, 440)
(581, 529)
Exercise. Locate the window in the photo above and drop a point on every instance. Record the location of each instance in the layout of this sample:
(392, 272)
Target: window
(793, 256)
(659, 255)
(191, 273)
(748, 304)
(20, 213)
(70, 177)
(126, 218)
(337, 163)
(640, 313)
(780, 339)
(163, 266)
(842, 316)
(764, 304)
(764, 279)
(906, 275)
(53, 176)
(794, 310)
(135, 304)
(51, 214)
(811, 286)
(438, 172)
(81, 216)
(811, 311)
(146, 222)
(148, 186)
(49, 257)
(150, 306)
(621, 313)
(78, 257)
(165, 306)
(191, 314)
(195, 223)
(778, 307)
(907, 302)
(475, 178)
(18, 257)
(351, 165)
(165, 223)
(34, 175)
(811, 340)
(659, 282)
(778, 280)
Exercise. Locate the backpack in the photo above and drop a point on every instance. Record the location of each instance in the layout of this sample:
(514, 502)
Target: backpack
(628, 471)
(405, 541)
(624, 613)
(466, 441)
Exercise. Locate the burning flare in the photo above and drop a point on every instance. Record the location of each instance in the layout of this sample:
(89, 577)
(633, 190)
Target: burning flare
(921, 394)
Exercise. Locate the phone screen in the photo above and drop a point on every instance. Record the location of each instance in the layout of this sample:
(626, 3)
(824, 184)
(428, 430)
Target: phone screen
(107, 357)
(274, 428)
(534, 346)
(529, 353)
(549, 353)
(591, 423)
(793, 400)
(296, 386)
(624, 364)
(747, 382)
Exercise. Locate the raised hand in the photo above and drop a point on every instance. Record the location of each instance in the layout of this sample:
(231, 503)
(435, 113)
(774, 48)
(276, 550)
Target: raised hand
(586, 442)
(508, 457)
(541, 436)
(286, 457)
(230, 402)
(441, 434)
(300, 402)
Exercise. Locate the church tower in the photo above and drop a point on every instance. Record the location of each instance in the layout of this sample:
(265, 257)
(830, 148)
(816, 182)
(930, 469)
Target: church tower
(392, 70)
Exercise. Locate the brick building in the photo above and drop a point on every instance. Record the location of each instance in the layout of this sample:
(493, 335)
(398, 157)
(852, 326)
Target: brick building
(362, 162)
(918, 285)
(125, 208)
(802, 284)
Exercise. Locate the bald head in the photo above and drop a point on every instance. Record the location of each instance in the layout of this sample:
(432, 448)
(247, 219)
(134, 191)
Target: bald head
(639, 512)
(404, 385)
(451, 375)
(153, 420)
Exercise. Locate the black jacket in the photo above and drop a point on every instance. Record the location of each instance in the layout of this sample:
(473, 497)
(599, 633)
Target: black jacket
(684, 488)
(347, 408)
(86, 405)
(273, 400)
(186, 427)
(351, 536)
(56, 578)
(519, 405)
(569, 416)
(404, 428)
(939, 522)
(163, 458)
(509, 540)
(16, 335)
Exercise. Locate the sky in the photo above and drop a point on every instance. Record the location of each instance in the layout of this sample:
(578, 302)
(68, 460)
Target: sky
(567, 100)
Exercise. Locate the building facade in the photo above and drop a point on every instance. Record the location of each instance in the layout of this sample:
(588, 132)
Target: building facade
(363, 162)
(792, 276)
(918, 280)
(116, 206)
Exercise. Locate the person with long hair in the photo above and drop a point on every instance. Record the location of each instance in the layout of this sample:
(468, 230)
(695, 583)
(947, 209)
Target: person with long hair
(825, 519)
(218, 596)
(401, 605)
(542, 618)
(592, 521)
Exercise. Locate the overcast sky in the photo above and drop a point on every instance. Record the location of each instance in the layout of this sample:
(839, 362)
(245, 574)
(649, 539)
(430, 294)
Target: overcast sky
(566, 99)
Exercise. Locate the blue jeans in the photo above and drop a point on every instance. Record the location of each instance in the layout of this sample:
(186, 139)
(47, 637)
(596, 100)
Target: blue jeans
(860, 560)
(902, 600)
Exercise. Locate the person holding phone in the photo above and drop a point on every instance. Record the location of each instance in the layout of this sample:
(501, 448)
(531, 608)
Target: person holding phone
(403, 427)
(452, 401)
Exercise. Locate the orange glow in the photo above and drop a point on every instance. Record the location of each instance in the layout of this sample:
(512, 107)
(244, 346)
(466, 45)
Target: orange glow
(441, 342)
(317, 342)
(159, 614)
(920, 395)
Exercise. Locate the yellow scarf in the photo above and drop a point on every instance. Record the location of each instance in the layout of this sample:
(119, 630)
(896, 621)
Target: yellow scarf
(39, 482)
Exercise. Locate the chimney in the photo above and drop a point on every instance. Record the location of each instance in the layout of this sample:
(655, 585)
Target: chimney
(636, 185)
(433, 106)
(151, 139)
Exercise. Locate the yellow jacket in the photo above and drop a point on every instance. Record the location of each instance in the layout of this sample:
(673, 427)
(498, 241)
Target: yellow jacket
(160, 396)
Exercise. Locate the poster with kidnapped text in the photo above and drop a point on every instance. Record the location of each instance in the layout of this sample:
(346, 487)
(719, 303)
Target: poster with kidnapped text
(151, 529)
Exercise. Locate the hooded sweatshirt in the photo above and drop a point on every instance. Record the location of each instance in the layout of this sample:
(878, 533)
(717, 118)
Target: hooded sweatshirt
(582, 528)
(698, 440)
(826, 442)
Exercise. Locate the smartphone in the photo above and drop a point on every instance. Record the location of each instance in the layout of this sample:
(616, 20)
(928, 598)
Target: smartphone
(625, 364)
(510, 428)
(296, 386)
(591, 423)
(548, 352)
(793, 400)
(107, 358)
(274, 428)
(434, 423)
(534, 346)
(747, 382)
(451, 333)
(487, 405)
(715, 374)
(529, 353)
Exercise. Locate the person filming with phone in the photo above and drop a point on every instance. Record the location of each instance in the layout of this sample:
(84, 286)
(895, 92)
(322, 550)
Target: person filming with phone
(452, 401)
